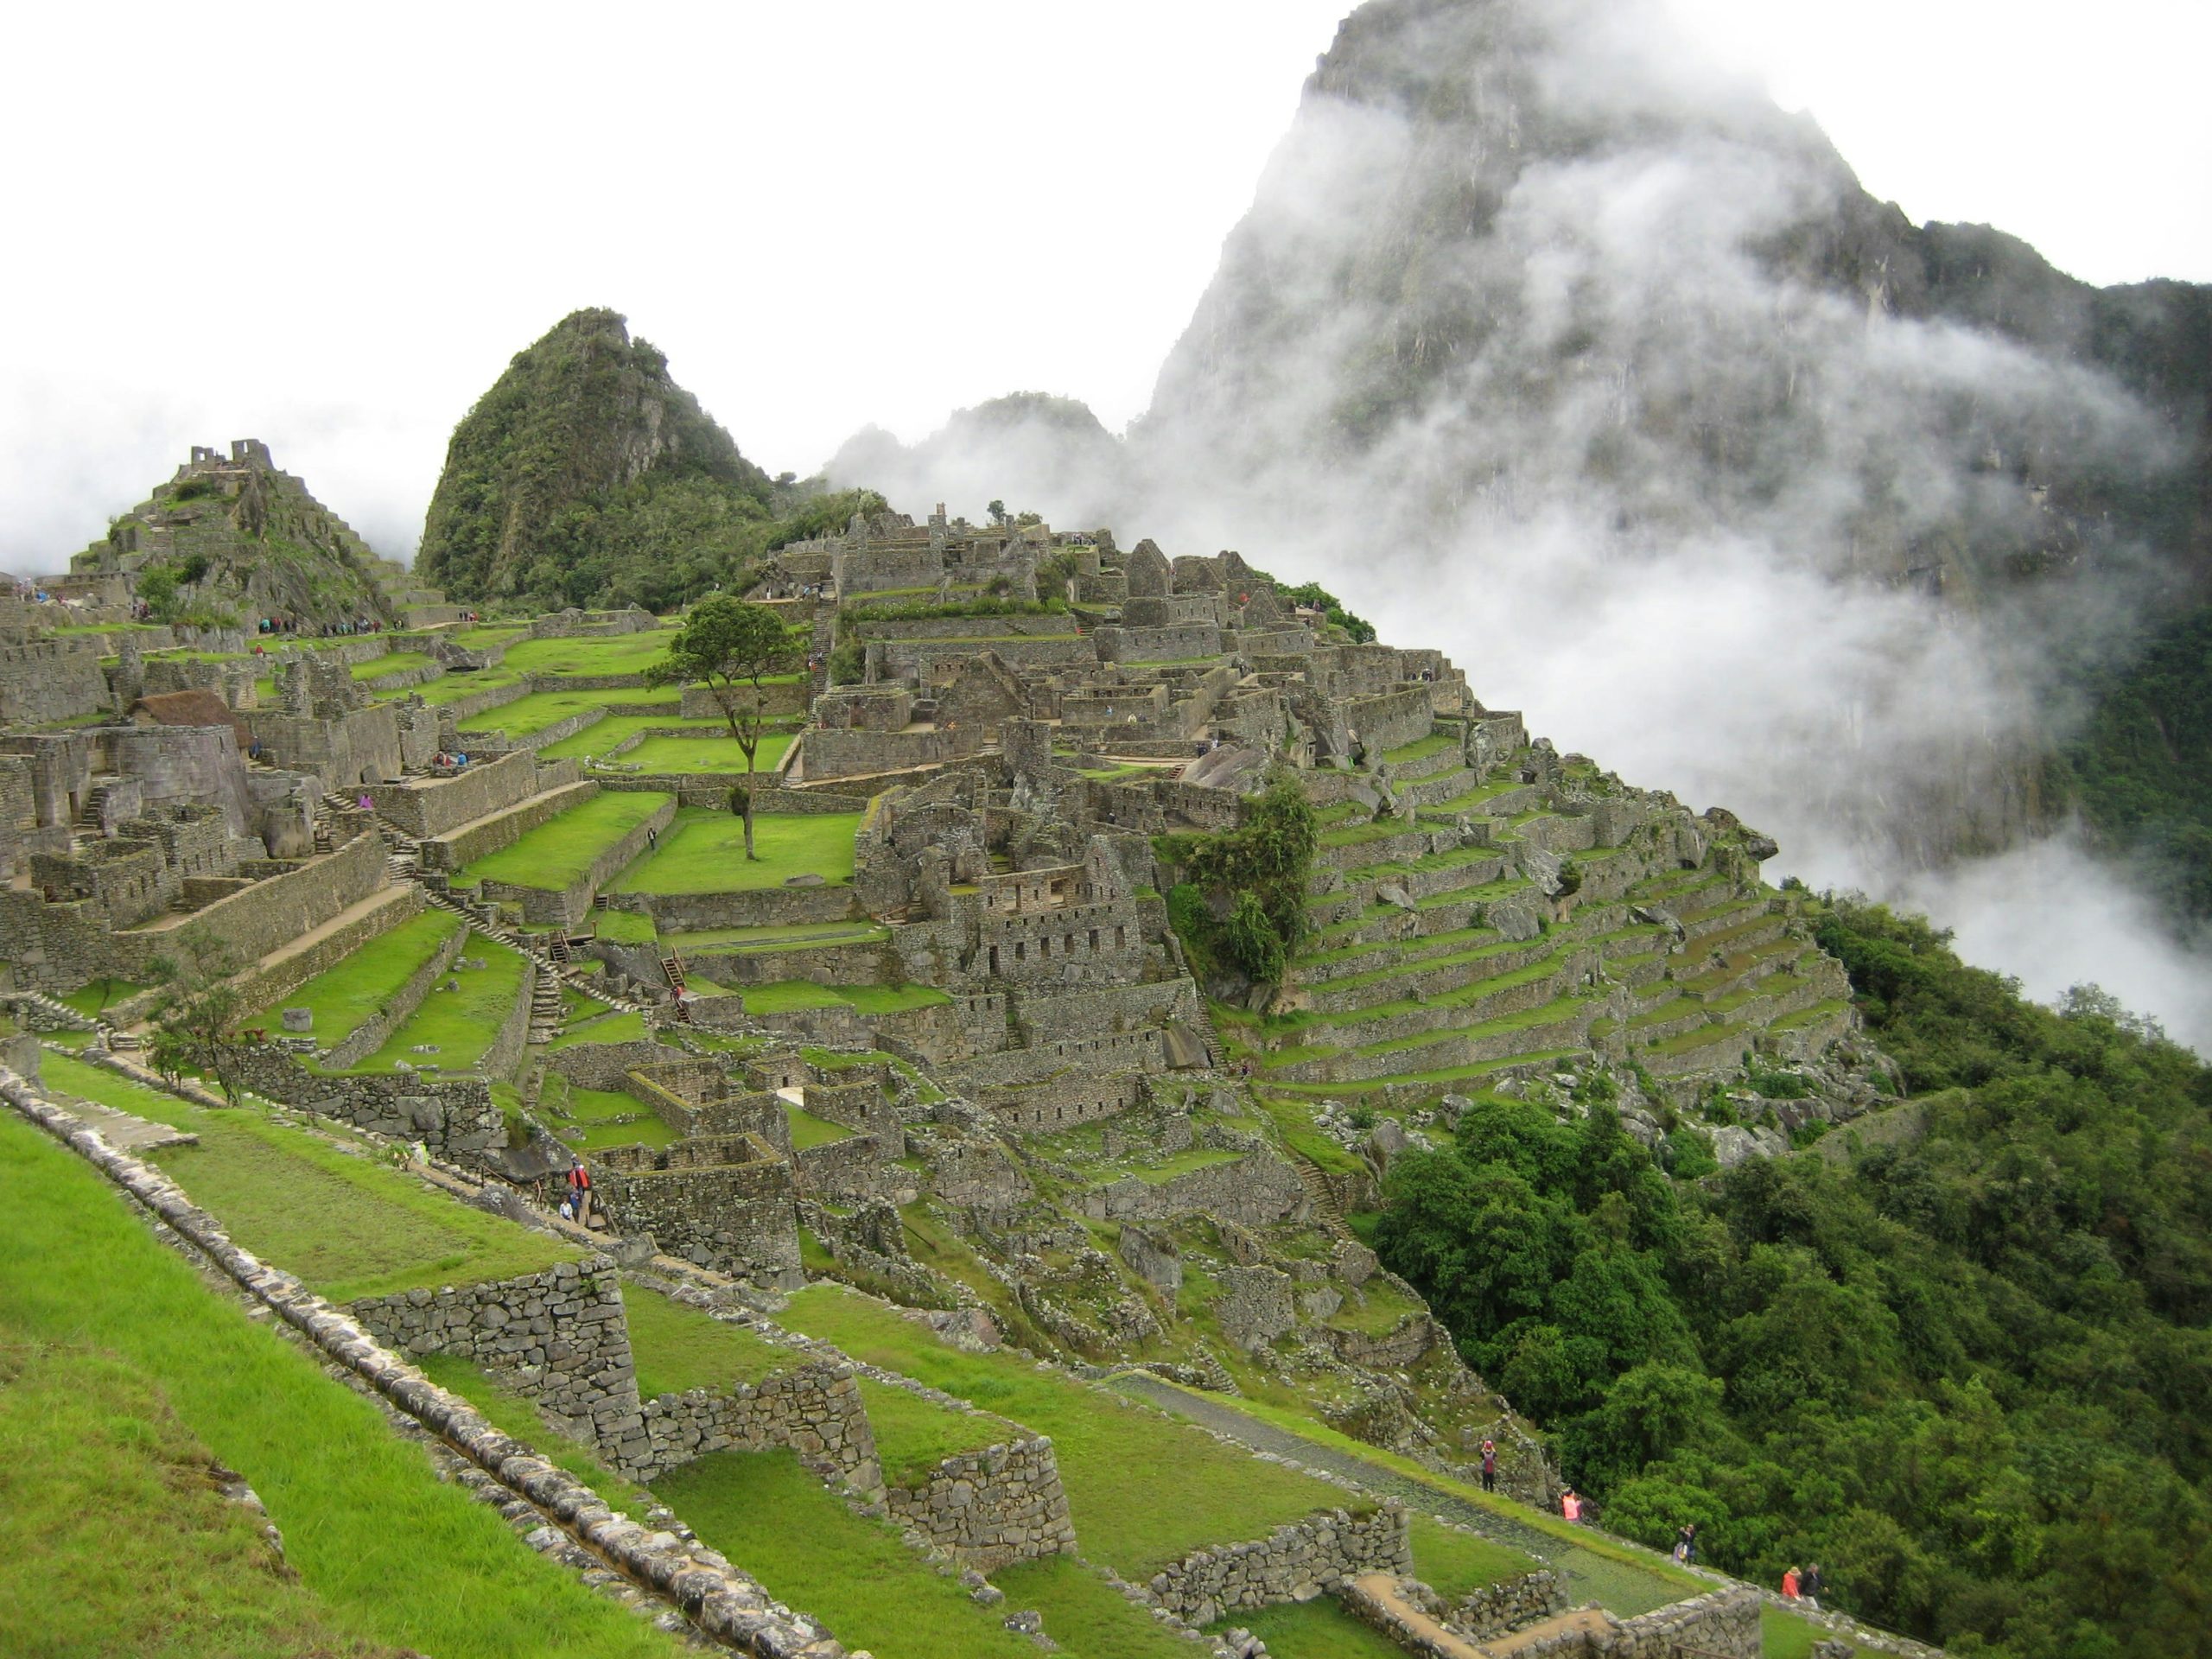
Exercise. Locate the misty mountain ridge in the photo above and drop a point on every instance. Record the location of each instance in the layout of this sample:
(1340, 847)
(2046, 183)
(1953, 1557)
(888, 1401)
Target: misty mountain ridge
(1551, 333)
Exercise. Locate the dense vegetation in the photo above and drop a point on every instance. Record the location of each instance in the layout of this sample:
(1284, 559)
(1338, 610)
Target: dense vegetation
(2141, 766)
(585, 476)
(1967, 1370)
(1242, 899)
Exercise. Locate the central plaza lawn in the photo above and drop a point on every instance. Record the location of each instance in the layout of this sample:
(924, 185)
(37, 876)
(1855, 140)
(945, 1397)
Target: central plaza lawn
(535, 713)
(793, 996)
(563, 849)
(703, 851)
(601, 736)
(397, 1556)
(616, 653)
(363, 985)
(460, 1026)
(347, 1225)
(1143, 1490)
(709, 751)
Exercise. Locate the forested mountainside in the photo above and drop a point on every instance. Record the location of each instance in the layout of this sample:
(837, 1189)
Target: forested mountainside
(1956, 1353)
(1525, 276)
(587, 476)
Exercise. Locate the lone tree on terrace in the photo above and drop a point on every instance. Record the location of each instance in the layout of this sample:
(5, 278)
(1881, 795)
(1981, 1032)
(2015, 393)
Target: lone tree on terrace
(193, 1011)
(731, 647)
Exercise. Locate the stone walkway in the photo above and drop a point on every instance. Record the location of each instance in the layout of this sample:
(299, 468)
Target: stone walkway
(1578, 1567)
(1383, 1589)
(123, 1131)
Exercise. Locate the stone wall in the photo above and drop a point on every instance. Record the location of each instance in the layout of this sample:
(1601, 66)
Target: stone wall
(696, 912)
(433, 808)
(454, 1117)
(51, 679)
(992, 1508)
(1509, 1604)
(852, 754)
(737, 1218)
(814, 1409)
(1296, 1562)
(1392, 721)
(1257, 1190)
(1722, 1623)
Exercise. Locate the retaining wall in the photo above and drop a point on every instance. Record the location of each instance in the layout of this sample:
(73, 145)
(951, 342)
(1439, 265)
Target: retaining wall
(371, 1034)
(992, 1508)
(502, 828)
(1296, 1562)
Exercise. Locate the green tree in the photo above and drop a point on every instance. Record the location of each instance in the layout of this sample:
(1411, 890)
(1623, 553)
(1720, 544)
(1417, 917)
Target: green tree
(194, 1010)
(731, 647)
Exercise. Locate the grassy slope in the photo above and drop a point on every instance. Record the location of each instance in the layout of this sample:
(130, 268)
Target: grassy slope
(703, 851)
(105, 1487)
(1143, 1490)
(679, 1348)
(362, 1511)
(349, 1226)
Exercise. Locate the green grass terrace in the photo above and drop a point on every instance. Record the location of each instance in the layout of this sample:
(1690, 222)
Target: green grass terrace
(562, 852)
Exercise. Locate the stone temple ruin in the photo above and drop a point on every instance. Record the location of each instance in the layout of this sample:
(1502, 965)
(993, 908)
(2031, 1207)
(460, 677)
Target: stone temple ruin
(942, 1042)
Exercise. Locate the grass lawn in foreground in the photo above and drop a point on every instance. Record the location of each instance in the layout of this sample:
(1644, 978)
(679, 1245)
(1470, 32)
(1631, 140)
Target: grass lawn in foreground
(398, 1556)
(703, 851)
(100, 994)
(459, 1026)
(107, 1488)
(562, 849)
(349, 1225)
(706, 753)
(1143, 1491)
(362, 985)
(913, 1435)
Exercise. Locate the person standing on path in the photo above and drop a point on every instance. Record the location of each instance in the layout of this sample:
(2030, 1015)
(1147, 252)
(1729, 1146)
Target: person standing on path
(1686, 1543)
(1789, 1585)
(580, 1190)
(1489, 1465)
(1809, 1584)
(1570, 1507)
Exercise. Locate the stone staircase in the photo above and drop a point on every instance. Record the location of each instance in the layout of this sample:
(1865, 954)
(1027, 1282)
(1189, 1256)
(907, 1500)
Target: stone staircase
(491, 927)
(548, 1009)
(1328, 1213)
(49, 1013)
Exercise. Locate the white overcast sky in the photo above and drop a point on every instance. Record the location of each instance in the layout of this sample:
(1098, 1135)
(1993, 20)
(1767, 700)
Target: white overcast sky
(330, 227)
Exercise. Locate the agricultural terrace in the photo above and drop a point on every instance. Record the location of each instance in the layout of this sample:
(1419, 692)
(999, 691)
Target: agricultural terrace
(535, 713)
(703, 851)
(363, 985)
(601, 736)
(457, 1026)
(561, 852)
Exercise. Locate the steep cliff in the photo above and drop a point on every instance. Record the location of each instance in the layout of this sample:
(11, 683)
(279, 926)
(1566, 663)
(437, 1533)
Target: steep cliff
(586, 475)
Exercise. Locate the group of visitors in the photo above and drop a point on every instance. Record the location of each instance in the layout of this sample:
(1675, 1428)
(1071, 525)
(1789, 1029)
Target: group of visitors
(1802, 1586)
(328, 630)
(441, 762)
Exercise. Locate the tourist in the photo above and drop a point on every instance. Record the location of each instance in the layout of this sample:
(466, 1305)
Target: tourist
(1570, 1507)
(580, 1190)
(653, 838)
(1809, 1586)
(365, 802)
(1686, 1543)
(1489, 1465)
(1789, 1585)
